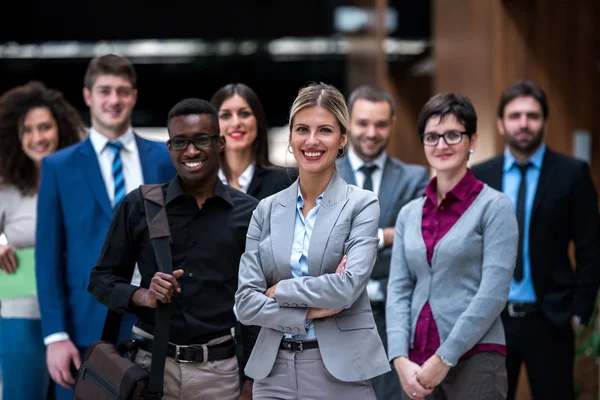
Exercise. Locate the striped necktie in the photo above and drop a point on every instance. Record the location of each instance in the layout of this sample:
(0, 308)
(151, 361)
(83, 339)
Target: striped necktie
(117, 170)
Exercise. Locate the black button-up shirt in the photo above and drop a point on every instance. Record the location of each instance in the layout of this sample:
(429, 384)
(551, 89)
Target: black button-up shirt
(208, 243)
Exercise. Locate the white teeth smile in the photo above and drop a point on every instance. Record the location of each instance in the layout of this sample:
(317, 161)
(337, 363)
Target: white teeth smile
(313, 154)
(192, 164)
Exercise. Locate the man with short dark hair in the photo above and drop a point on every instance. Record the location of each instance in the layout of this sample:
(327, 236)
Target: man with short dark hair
(80, 187)
(372, 119)
(208, 223)
(556, 203)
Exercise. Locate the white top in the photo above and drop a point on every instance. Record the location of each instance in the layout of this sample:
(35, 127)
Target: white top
(18, 215)
(132, 168)
(244, 179)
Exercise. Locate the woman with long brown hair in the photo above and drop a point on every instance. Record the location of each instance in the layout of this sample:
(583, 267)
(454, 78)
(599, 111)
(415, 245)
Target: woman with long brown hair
(35, 121)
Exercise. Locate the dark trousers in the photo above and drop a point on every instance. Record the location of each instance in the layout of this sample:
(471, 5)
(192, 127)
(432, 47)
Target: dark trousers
(386, 386)
(481, 376)
(548, 352)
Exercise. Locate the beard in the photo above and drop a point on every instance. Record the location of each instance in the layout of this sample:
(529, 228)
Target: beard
(526, 145)
(365, 154)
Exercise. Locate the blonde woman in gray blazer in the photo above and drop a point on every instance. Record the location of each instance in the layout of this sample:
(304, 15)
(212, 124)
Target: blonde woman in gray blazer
(452, 263)
(318, 338)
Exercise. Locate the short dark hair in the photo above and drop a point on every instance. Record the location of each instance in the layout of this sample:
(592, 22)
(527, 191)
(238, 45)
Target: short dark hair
(372, 93)
(15, 167)
(260, 147)
(194, 106)
(109, 64)
(444, 104)
(523, 88)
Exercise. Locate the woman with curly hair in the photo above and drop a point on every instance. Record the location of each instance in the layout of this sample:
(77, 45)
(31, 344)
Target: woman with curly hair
(34, 121)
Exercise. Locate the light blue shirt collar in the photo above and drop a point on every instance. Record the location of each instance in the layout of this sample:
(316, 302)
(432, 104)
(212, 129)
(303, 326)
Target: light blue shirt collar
(536, 159)
(300, 201)
(356, 162)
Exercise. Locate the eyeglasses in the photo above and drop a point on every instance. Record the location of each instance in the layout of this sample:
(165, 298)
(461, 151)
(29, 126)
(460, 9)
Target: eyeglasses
(450, 137)
(199, 142)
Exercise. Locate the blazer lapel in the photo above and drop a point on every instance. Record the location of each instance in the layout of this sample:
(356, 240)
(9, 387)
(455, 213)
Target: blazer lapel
(388, 190)
(345, 170)
(257, 179)
(284, 215)
(91, 169)
(147, 161)
(544, 181)
(331, 206)
(496, 174)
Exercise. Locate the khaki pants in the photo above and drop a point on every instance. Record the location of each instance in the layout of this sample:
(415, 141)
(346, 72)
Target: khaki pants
(197, 381)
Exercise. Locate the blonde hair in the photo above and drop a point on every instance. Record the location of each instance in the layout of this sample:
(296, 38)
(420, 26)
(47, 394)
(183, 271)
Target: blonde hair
(324, 96)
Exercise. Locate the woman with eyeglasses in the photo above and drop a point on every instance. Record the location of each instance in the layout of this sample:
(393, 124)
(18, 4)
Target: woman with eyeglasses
(452, 262)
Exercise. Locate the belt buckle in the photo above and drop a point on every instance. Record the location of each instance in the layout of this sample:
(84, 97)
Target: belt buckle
(178, 352)
(513, 313)
(296, 346)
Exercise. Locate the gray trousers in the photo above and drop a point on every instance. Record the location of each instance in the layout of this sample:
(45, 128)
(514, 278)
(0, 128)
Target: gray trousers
(481, 376)
(303, 376)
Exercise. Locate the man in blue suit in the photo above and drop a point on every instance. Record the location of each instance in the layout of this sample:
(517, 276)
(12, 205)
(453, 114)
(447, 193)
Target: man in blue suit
(367, 165)
(79, 189)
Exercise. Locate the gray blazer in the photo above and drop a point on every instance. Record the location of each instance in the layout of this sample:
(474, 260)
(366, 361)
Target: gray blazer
(346, 224)
(400, 184)
(467, 283)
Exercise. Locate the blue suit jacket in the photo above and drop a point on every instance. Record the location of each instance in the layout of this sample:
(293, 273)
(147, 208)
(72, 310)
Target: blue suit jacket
(74, 214)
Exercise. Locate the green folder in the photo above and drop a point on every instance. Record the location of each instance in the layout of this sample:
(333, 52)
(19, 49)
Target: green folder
(22, 282)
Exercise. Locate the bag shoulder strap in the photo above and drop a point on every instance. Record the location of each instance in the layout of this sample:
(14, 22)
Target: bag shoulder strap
(160, 236)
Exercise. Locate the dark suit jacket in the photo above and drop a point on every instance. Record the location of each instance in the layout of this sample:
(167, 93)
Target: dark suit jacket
(400, 184)
(565, 208)
(268, 181)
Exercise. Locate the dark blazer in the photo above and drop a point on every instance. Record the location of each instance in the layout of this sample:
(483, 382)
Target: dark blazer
(268, 181)
(565, 208)
(400, 184)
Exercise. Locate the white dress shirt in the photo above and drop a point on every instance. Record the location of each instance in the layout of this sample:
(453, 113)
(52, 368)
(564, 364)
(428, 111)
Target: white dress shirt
(132, 167)
(373, 286)
(132, 173)
(244, 179)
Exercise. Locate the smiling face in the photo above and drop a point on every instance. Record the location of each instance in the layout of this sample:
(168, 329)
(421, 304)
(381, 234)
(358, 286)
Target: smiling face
(194, 165)
(38, 133)
(238, 123)
(111, 100)
(446, 158)
(370, 127)
(315, 139)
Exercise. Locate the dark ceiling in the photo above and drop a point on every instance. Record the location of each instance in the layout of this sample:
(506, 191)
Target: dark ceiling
(161, 84)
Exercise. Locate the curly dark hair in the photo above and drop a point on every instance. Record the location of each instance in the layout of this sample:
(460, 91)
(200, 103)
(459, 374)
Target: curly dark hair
(15, 167)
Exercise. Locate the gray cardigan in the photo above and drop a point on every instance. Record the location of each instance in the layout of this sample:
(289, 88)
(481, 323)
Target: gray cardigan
(467, 283)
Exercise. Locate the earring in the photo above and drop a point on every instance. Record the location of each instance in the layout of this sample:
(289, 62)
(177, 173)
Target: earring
(341, 151)
(471, 151)
(289, 149)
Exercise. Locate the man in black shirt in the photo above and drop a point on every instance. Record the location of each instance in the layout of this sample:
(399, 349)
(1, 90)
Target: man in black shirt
(208, 223)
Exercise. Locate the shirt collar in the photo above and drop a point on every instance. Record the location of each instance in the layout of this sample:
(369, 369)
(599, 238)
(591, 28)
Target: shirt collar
(536, 159)
(175, 190)
(300, 200)
(356, 162)
(459, 191)
(244, 179)
(99, 141)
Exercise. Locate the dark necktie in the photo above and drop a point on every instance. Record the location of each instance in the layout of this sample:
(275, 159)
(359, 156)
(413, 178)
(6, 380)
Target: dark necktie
(518, 275)
(368, 171)
(117, 170)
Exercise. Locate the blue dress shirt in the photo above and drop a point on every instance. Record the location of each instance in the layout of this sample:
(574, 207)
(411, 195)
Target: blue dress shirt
(299, 258)
(523, 291)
